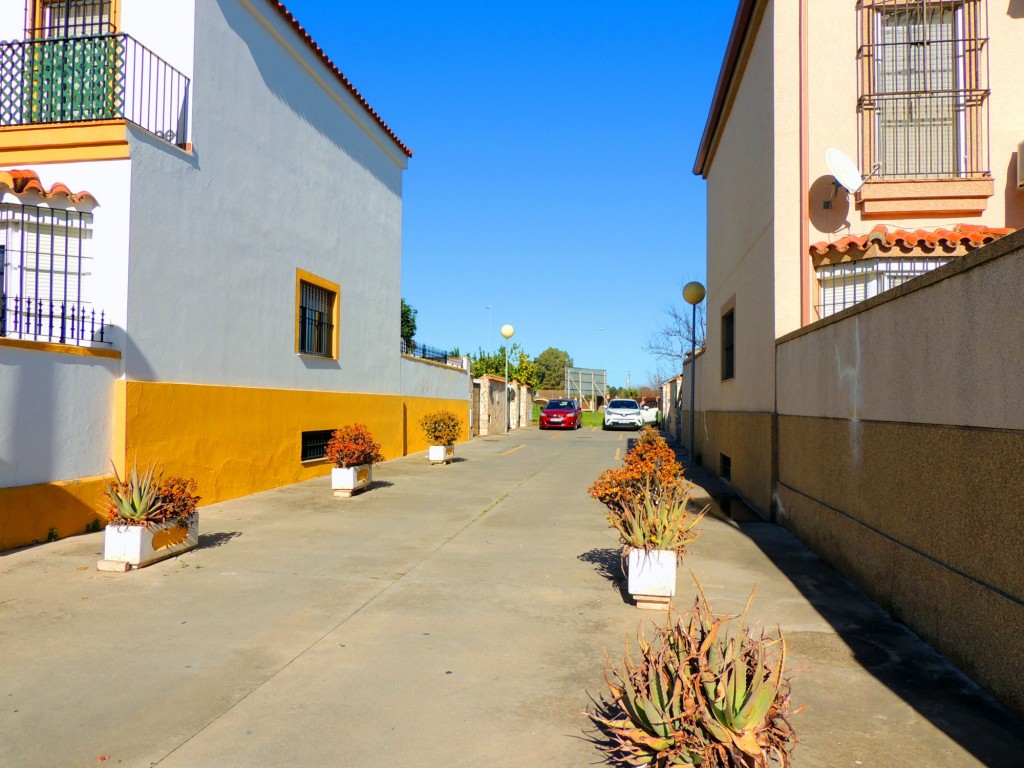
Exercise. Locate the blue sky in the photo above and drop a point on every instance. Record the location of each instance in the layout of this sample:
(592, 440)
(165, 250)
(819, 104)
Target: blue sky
(552, 181)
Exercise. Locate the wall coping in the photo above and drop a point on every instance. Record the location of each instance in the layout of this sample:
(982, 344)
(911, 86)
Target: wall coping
(434, 363)
(1004, 246)
(62, 349)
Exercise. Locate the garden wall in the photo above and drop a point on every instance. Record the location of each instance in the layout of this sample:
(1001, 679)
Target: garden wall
(901, 456)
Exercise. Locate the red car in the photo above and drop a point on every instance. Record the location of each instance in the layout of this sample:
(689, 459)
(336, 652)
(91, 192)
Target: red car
(561, 414)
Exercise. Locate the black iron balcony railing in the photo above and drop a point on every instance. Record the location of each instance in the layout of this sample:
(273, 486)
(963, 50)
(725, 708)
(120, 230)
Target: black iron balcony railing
(39, 320)
(86, 79)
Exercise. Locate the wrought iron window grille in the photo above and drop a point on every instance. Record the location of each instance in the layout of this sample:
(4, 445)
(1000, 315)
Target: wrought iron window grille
(316, 312)
(42, 277)
(923, 88)
(841, 286)
(314, 444)
(68, 18)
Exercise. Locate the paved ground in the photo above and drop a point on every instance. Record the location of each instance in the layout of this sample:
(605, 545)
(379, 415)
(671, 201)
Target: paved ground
(451, 616)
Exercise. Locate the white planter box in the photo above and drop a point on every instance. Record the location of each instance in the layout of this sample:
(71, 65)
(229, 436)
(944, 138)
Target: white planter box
(141, 545)
(652, 577)
(440, 454)
(347, 480)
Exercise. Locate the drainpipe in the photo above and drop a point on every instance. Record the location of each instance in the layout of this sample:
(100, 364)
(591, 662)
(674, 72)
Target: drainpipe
(806, 272)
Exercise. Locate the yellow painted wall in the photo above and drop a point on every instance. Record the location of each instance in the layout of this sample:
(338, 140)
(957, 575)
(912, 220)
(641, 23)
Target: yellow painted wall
(235, 441)
(29, 512)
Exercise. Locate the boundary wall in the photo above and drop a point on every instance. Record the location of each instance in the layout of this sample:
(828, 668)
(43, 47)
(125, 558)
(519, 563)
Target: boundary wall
(900, 450)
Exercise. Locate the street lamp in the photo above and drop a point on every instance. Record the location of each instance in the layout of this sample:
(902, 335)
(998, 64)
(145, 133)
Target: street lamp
(506, 331)
(693, 294)
(488, 329)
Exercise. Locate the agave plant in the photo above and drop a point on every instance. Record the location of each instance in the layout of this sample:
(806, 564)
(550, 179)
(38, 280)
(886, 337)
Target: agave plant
(699, 696)
(657, 518)
(136, 499)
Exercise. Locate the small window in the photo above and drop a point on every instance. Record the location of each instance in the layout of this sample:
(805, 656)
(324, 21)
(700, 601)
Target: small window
(317, 313)
(725, 462)
(70, 18)
(728, 340)
(314, 444)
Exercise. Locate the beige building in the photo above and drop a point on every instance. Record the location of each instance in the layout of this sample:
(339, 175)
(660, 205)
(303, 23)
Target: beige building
(923, 101)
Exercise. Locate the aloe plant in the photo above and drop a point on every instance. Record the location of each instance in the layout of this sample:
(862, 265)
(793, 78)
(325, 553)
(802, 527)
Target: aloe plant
(699, 696)
(135, 499)
(657, 518)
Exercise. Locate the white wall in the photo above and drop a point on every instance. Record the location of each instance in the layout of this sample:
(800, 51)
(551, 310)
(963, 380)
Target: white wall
(55, 416)
(166, 28)
(12, 21)
(282, 176)
(429, 380)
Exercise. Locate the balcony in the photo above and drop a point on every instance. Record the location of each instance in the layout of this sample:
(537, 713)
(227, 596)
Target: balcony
(92, 79)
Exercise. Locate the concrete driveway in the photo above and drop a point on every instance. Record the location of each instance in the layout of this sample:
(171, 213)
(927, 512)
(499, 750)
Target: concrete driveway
(451, 616)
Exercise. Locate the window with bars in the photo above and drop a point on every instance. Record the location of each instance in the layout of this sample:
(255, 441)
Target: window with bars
(44, 276)
(845, 285)
(314, 444)
(923, 72)
(316, 320)
(53, 19)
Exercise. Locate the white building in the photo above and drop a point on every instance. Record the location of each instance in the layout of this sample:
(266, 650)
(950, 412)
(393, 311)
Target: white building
(203, 185)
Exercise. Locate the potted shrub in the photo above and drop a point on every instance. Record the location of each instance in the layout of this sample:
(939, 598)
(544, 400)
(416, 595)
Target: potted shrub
(354, 452)
(648, 502)
(150, 518)
(442, 429)
(701, 696)
(655, 527)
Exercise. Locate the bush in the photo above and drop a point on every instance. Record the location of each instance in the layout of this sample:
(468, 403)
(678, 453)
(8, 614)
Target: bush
(144, 498)
(651, 458)
(353, 446)
(441, 427)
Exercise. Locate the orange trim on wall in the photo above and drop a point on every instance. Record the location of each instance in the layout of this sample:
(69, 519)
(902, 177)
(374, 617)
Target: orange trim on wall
(64, 142)
(63, 349)
(29, 513)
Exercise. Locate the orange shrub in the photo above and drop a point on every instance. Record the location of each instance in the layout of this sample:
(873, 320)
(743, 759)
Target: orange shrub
(651, 460)
(353, 446)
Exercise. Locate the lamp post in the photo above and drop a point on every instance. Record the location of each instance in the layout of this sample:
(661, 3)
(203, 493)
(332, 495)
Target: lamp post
(488, 329)
(693, 294)
(506, 331)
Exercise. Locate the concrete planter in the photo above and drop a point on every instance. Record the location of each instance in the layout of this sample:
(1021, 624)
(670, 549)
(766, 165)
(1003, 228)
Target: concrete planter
(141, 545)
(652, 577)
(349, 480)
(440, 454)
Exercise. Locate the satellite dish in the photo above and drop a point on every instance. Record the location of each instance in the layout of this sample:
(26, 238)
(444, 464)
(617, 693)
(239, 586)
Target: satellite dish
(845, 171)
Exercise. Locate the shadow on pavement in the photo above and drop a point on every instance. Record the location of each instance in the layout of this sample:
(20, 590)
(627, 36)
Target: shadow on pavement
(871, 638)
(608, 563)
(214, 540)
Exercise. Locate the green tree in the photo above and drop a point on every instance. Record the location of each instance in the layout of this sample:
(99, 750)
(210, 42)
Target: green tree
(408, 323)
(520, 367)
(552, 364)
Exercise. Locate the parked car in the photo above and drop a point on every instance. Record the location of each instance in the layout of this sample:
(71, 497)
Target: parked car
(561, 414)
(623, 413)
(650, 413)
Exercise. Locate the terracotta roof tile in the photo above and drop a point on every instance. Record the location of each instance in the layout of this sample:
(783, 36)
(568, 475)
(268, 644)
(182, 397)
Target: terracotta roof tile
(280, 7)
(966, 235)
(23, 182)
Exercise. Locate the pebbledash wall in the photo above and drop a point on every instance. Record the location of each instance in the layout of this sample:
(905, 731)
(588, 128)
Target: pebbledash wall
(901, 455)
(196, 255)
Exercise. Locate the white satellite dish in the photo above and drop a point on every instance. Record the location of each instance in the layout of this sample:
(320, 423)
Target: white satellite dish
(845, 171)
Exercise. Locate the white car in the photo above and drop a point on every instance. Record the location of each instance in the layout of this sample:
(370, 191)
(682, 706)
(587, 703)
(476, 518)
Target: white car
(650, 414)
(623, 413)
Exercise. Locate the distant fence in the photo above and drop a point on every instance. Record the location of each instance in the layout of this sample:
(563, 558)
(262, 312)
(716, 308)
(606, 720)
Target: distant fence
(424, 352)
